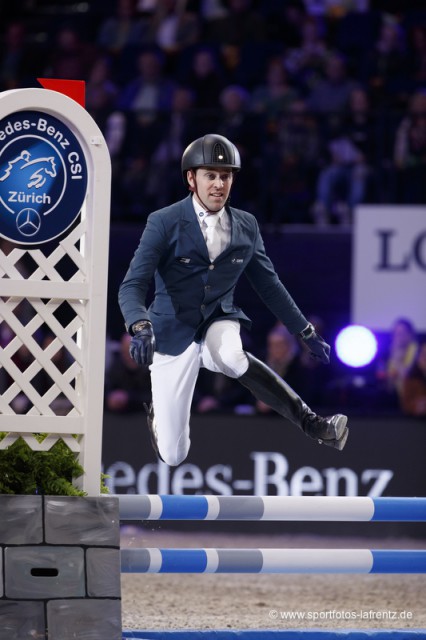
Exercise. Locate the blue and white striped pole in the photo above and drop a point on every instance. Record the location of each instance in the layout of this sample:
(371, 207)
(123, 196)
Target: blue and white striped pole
(272, 561)
(272, 508)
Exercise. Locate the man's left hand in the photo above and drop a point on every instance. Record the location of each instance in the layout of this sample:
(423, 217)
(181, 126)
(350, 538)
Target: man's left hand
(318, 348)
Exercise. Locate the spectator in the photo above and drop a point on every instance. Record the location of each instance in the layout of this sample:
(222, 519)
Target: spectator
(19, 62)
(275, 96)
(385, 70)
(180, 127)
(330, 97)
(216, 393)
(413, 390)
(151, 91)
(176, 27)
(240, 37)
(135, 203)
(282, 351)
(208, 393)
(306, 63)
(232, 64)
(204, 78)
(343, 182)
(417, 56)
(410, 152)
(115, 133)
(125, 28)
(144, 101)
(71, 56)
(290, 164)
(101, 91)
(116, 136)
(292, 361)
(234, 121)
(127, 385)
(394, 365)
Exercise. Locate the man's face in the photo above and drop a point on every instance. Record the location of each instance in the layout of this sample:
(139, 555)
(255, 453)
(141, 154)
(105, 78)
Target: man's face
(211, 187)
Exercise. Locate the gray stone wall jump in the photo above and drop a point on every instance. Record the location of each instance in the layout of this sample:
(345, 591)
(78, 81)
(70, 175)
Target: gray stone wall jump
(60, 568)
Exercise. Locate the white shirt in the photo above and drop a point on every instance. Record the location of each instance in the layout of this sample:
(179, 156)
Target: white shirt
(223, 226)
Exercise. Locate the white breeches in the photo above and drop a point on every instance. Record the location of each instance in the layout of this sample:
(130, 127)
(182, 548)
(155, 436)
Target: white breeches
(173, 381)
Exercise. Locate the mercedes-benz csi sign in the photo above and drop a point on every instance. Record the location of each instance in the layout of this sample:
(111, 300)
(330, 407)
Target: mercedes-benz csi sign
(43, 177)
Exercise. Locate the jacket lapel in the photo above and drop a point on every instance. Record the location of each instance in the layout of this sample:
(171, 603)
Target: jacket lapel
(235, 231)
(191, 230)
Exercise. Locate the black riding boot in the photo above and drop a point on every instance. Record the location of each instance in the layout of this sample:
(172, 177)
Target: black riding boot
(268, 387)
(149, 410)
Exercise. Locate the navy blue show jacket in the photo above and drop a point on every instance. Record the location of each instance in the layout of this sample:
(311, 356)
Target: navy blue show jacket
(190, 290)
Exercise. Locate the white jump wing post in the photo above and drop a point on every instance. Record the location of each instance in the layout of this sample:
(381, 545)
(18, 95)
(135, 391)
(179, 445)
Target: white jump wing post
(55, 177)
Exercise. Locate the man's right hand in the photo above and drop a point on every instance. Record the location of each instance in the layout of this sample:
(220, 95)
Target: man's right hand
(142, 344)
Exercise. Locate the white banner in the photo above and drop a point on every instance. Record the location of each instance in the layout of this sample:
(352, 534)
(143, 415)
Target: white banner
(389, 266)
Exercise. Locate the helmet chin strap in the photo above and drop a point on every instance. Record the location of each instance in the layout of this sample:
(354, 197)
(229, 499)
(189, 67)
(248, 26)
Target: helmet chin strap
(195, 192)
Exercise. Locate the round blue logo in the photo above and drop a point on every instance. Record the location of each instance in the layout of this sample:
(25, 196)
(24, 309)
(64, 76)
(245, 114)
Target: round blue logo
(43, 177)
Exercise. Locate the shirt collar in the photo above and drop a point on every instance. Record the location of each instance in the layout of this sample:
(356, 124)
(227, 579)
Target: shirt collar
(202, 213)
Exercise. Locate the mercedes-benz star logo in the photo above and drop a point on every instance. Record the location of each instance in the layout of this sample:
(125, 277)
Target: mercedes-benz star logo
(28, 222)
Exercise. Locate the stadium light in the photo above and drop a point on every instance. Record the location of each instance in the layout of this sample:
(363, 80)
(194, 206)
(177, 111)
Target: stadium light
(356, 346)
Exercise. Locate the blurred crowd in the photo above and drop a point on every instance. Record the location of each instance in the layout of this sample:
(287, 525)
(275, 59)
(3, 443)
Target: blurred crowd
(326, 99)
(393, 384)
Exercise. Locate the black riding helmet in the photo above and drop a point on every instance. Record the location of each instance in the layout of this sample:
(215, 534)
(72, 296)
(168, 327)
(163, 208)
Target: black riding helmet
(212, 150)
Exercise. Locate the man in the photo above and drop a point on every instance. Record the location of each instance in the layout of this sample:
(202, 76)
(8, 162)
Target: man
(193, 321)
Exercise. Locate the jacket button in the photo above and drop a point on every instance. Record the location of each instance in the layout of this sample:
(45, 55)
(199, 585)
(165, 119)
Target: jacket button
(211, 266)
(203, 306)
(207, 287)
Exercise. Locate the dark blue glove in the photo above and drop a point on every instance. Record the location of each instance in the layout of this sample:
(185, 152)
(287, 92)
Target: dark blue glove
(142, 344)
(319, 349)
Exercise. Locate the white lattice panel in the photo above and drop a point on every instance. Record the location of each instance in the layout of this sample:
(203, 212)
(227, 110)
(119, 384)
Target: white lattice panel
(23, 355)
